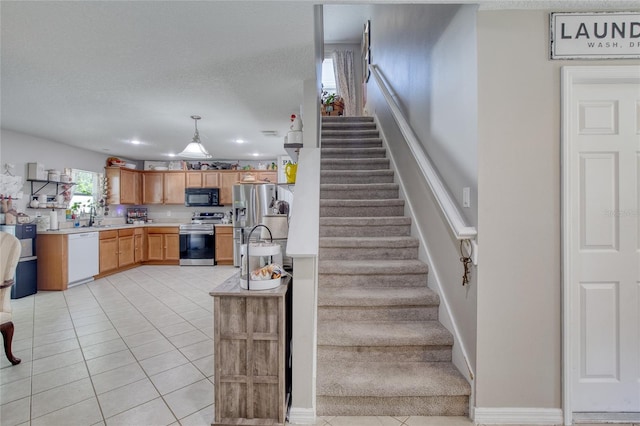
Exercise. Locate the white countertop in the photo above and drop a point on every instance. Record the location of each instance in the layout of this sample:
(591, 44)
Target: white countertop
(64, 231)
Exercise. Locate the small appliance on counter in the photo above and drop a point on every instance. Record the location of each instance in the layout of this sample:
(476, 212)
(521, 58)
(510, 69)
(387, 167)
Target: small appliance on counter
(137, 215)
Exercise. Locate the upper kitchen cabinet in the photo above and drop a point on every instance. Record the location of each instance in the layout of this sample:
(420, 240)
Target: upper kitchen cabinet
(124, 186)
(227, 180)
(205, 179)
(163, 187)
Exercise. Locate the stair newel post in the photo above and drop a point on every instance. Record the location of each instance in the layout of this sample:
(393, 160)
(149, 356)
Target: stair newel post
(249, 243)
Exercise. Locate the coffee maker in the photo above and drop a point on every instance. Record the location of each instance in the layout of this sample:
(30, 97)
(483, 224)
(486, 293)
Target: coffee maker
(26, 279)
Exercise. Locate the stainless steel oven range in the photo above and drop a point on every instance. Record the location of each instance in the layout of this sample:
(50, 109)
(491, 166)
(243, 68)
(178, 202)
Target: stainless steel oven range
(197, 239)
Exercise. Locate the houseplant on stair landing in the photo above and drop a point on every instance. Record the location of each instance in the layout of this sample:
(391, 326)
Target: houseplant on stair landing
(332, 104)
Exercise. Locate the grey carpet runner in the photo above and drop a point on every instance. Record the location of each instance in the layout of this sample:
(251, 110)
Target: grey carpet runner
(381, 349)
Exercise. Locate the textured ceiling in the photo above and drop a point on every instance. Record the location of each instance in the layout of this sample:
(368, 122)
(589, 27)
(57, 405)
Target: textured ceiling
(98, 74)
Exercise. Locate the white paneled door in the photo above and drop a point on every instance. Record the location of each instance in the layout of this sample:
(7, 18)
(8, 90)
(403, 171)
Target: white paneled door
(601, 161)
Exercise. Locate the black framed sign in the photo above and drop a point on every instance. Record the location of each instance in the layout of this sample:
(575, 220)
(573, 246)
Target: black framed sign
(595, 35)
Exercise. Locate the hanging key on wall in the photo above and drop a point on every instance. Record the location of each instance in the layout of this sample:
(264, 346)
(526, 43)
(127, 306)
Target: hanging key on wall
(466, 260)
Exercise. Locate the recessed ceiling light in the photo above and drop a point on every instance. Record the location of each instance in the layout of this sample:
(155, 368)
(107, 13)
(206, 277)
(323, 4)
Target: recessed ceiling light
(239, 140)
(171, 154)
(255, 154)
(135, 142)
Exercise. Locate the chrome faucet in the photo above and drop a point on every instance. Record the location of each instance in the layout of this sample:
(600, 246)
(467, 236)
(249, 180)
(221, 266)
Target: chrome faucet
(92, 215)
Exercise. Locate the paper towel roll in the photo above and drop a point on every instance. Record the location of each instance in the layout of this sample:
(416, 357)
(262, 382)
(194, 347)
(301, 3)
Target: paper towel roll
(53, 220)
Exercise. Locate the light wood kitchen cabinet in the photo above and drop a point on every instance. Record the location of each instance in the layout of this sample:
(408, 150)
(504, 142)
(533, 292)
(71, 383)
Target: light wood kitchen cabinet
(174, 188)
(227, 180)
(152, 188)
(269, 176)
(163, 187)
(108, 251)
(124, 186)
(126, 251)
(139, 252)
(116, 250)
(52, 252)
(130, 187)
(250, 350)
(224, 245)
(205, 179)
(163, 245)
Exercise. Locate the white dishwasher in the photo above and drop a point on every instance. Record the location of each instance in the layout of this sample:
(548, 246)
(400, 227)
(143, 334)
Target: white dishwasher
(83, 257)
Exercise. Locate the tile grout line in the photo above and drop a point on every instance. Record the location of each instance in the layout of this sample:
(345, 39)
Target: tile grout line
(138, 361)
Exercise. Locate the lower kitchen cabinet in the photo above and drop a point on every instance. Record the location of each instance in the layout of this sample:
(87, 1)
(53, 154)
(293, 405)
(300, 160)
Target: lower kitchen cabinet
(108, 251)
(117, 250)
(163, 245)
(224, 245)
(139, 246)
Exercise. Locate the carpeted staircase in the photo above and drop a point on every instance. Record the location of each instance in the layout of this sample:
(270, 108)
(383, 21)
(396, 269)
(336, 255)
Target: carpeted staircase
(381, 349)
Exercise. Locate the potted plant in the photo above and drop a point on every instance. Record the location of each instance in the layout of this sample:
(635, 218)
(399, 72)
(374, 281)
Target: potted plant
(331, 103)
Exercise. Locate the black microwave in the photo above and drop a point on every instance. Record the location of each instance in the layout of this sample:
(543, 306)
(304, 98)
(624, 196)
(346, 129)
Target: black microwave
(201, 197)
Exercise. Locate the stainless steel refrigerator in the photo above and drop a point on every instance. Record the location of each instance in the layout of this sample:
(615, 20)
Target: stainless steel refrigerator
(251, 202)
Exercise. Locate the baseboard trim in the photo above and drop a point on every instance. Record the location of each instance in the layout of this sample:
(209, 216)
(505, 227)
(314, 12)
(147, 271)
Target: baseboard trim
(302, 416)
(524, 416)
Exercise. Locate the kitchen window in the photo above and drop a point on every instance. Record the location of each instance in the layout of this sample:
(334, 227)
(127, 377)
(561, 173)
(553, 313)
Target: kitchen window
(87, 188)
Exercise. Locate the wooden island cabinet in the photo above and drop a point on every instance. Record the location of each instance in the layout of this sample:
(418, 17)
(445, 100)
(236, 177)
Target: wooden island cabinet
(250, 342)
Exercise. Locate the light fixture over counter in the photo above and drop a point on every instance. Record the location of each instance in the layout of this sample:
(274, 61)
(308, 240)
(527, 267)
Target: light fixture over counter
(195, 150)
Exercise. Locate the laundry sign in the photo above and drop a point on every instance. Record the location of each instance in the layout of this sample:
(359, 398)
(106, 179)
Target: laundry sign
(598, 35)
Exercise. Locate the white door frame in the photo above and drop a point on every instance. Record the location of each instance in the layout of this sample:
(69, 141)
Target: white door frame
(572, 75)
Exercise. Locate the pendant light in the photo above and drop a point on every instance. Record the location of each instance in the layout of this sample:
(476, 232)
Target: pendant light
(195, 149)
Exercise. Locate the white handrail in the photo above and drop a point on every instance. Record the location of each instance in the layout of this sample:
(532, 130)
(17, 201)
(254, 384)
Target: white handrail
(454, 217)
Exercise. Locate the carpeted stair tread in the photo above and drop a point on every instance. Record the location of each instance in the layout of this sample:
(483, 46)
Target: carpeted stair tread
(361, 242)
(356, 176)
(365, 221)
(385, 202)
(346, 133)
(372, 267)
(400, 379)
(353, 152)
(343, 119)
(355, 125)
(383, 333)
(352, 143)
(358, 186)
(409, 296)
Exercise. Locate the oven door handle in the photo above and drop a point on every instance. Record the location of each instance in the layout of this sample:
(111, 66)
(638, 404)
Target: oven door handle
(196, 233)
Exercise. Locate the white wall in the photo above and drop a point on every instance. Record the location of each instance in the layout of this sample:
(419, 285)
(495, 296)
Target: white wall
(435, 85)
(519, 277)
(20, 149)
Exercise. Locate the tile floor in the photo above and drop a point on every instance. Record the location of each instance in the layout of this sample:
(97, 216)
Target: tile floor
(134, 349)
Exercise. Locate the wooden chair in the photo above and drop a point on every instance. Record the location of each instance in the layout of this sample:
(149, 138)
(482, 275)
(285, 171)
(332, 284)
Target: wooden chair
(9, 257)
